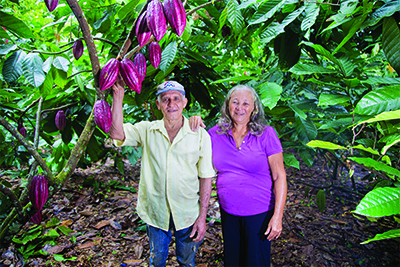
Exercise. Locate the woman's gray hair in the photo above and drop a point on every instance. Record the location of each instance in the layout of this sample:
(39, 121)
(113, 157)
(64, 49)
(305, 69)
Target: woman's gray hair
(257, 121)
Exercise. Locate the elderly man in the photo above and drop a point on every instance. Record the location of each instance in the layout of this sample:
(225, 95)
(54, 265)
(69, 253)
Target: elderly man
(176, 171)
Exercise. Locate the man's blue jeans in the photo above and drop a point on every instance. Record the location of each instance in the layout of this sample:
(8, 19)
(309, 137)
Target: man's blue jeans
(159, 245)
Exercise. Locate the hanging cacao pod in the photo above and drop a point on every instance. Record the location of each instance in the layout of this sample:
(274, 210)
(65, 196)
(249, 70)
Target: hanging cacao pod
(109, 74)
(130, 75)
(51, 4)
(22, 130)
(140, 62)
(77, 49)
(143, 32)
(61, 120)
(38, 191)
(102, 115)
(37, 217)
(155, 54)
(176, 15)
(226, 31)
(156, 20)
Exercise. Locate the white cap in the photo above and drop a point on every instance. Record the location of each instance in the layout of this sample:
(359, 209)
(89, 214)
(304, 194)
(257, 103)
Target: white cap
(169, 86)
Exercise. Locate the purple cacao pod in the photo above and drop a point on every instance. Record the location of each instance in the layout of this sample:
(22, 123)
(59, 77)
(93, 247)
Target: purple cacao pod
(109, 74)
(155, 54)
(37, 217)
(61, 120)
(77, 49)
(38, 191)
(130, 75)
(102, 115)
(51, 4)
(143, 32)
(140, 62)
(176, 15)
(156, 20)
(22, 130)
(226, 31)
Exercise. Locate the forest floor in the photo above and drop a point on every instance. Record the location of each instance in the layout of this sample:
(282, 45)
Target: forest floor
(98, 206)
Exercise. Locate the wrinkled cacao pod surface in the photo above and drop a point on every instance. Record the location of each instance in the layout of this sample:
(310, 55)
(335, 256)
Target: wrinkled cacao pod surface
(61, 120)
(51, 4)
(140, 62)
(155, 54)
(109, 74)
(102, 115)
(130, 75)
(143, 32)
(38, 191)
(176, 15)
(156, 20)
(77, 49)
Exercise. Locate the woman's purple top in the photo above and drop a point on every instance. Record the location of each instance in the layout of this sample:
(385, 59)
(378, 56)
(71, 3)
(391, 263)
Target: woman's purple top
(244, 183)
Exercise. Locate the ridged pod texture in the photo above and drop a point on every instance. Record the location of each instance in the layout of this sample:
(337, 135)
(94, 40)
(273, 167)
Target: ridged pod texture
(140, 62)
(130, 75)
(143, 32)
(176, 15)
(38, 191)
(109, 74)
(22, 130)
(155, 54)
(77, 49)
(37, 217)
(102, 115)
(51, 4)
(61, 120)
(156, 20)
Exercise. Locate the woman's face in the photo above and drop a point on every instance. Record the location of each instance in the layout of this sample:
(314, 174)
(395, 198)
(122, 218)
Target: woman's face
(241, 105)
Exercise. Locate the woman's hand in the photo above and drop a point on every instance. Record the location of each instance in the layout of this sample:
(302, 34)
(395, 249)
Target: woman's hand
(274, 229)
(195, 122)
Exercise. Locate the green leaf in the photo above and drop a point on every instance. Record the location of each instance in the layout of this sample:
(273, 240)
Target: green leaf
(391, 142)
(321, 200)
(32, 67)
(47, 86)
(266, 11)
(385, 116)
(119, 164)
(298, 112)
(5, 49)
(270, 93)
(168, 55)
(330, 99)
(391, 42)
(65, 230)
(367, 149)
(381, 80)
(379, 101)
(385, 235)
(235, 16)
(51, 233)
(128, 9)
(61, 63)
(307, 68)
(291, 161)
(324, 145)
(12, 68)
(386, 10)
(15, 26)
(58, 257)
(311, 13)
(134, 155)
(306, 129)
(376, 165)
(382, 201)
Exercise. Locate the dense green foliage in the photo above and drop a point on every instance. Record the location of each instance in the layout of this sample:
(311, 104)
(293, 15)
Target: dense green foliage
(327, 74)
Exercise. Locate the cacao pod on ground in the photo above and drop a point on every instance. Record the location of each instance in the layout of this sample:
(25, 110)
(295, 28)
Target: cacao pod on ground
(109, 74)
(143, 32)
(77, 49)
(130, 75)
(61, 120)
(176, 15)
(38, 191)
(155, 54)
(51, 4)
(156, 20)
(102, 115)
(140, 62)
(22, 130)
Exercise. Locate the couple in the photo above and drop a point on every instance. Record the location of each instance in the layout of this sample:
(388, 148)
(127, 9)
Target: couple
(177, 167)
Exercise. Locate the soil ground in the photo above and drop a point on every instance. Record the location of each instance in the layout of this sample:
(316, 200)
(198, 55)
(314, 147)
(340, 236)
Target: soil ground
(98, 206)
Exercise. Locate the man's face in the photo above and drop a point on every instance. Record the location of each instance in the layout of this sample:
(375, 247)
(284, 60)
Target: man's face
(171, 104)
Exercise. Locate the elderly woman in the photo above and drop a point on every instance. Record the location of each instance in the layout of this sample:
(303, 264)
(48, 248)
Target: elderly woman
(251, 180)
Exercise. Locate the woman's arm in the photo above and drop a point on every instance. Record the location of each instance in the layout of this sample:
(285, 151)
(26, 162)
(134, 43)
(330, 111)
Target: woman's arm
(280, 189)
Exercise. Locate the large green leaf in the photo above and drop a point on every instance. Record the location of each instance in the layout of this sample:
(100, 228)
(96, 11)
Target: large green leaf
(311, 13)
(391, 141)
(266, 11)
(331, 99)
(381, 80)
(270, 94)
(306, 129)
(236, 79)
(307, 68)
(385, 116)
(235, 16)
(168, 55)
(391, 42)
(385, 235)
(291, 161)
(12, 68)
(32, 67)
(378, 101)
(376, 165)
(386, 10)
(324, 145)
(15, 25)
(382, 201)
(61, 63)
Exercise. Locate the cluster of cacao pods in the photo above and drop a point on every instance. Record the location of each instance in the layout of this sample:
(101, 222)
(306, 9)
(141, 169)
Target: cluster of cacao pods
(154, 20)
(21, 129)
(51, 4)
(102, 115)
(38, 193)
(77, 49)
(61, 120)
